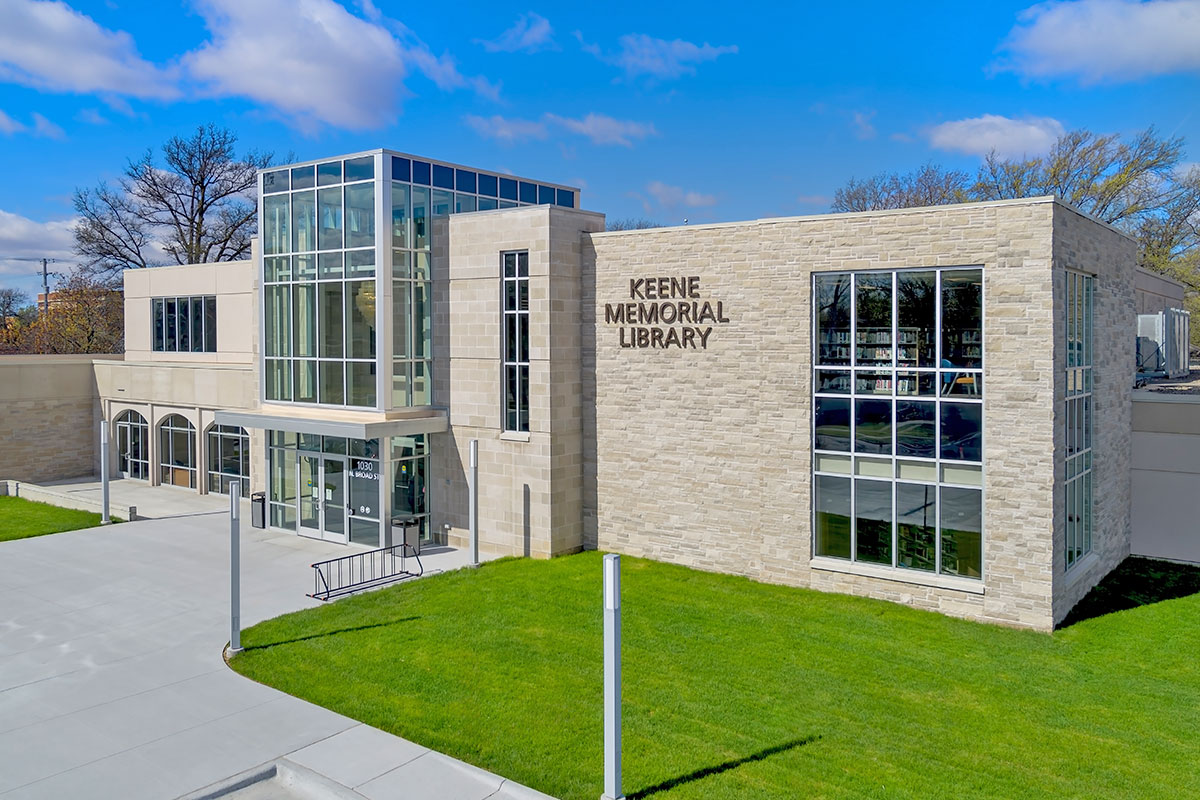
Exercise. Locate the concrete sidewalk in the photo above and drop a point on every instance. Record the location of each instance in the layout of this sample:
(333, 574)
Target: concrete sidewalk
(152, 502)
(112, 682)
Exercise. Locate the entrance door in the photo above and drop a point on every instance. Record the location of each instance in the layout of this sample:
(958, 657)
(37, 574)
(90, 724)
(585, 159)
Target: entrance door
(310, 495)
(334, 506)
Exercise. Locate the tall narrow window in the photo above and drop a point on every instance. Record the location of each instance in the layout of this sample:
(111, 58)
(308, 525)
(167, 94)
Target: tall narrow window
(1078, 416)
(515, 302)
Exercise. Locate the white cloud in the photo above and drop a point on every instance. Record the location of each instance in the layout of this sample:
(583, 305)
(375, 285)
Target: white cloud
(813, 200)
(640, 54)
(91, 116)
(315, 62)
(1105, 40)
(24, 238)
(530, 33)
(603, 129)
(49, 45)
(1008, 137)
(267, 52)
(39, 126)
(863, 129)
(506, 129)
(674, 196)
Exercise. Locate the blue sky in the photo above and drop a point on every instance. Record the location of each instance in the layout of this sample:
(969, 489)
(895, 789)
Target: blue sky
(706, 112)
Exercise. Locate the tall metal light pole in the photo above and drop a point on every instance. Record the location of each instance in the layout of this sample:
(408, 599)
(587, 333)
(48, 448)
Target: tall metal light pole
(104, 518)
(612, 678)
(235, 567)
(473, 501)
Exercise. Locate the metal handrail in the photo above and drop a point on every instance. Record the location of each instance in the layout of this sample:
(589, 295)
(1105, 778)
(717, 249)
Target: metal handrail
(357, 571)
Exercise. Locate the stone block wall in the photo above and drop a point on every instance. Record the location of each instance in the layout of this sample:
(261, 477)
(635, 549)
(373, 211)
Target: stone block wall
(702, 456)
(1083, 245)
(530, 484)
(49, 423)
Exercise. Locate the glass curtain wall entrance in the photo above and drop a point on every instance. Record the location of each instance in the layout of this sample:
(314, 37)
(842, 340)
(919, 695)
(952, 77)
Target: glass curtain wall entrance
(333, 488)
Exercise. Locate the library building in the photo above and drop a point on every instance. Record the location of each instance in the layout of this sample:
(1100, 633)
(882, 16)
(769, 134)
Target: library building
(929, 406)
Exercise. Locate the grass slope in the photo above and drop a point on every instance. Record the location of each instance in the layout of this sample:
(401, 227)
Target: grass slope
(21, 518)
(735, 689)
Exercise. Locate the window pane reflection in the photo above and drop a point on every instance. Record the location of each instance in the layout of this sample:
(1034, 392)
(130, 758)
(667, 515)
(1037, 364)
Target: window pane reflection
(916, 305)
(873, 521)
(961, 431)
(962, 538)
(916, 526)
(872, 426)
(832, 429)
(832, 502)
(873, 307)
(916, 425)
(962, 315)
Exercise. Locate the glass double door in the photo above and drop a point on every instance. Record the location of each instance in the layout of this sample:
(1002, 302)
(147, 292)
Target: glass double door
(323, 508)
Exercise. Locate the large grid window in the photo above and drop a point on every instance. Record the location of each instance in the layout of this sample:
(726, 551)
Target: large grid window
(1078, 416)
(515, 347)
(177, 452)
(412, 315)
(228, 458)
(133, 446)
(184, 324)
(319, 283)
(898, 418)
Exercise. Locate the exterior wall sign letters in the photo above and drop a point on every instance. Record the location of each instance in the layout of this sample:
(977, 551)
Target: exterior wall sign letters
(674, 317)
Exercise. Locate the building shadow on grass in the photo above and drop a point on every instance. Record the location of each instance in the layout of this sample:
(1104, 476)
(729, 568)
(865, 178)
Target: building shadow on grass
(323, 634)
(1136, 582)
(717, 769)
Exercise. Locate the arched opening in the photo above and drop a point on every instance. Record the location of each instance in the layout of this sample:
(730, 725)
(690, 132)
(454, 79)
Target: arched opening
(177, 452)
(228, 458)
(133, 445)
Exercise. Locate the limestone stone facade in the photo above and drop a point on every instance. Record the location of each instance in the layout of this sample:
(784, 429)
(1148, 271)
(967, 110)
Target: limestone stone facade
(703, 456)
(692, 443)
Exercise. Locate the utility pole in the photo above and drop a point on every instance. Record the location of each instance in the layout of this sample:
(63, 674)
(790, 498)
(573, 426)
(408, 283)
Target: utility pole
(46, 273)
(45, 287)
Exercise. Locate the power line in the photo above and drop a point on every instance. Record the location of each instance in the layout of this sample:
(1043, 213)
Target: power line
(45, 275)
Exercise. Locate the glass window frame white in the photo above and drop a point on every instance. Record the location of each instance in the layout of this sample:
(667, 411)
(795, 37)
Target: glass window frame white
(514, 322)
(1078, 416)
(166, 450)
(856, 467)
(128, 425)
(417, 389)
(218, 478)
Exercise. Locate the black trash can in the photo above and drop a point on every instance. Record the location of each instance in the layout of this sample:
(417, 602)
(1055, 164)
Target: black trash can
(258, 510)
(407, 531)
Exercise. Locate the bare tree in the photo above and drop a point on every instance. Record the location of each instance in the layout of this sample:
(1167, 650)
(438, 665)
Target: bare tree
(199, 206)
(631, 224)
(929, 185)
(12, 301)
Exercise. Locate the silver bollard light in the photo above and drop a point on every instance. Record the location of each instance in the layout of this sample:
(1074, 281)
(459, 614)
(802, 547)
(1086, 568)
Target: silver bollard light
(473, 502)
(104, 517)
(612, 678)
(235, 567)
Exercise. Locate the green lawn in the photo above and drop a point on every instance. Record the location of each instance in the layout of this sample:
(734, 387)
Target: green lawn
(735, 689)
(21, 518)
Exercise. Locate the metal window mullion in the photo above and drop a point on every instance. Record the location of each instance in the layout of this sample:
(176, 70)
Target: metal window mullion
(853, 276)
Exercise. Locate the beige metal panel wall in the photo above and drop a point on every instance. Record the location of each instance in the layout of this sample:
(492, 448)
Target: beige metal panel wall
(48, 423)
(235, 285)
(1084, 245)
(702, 456)
(1166, 476)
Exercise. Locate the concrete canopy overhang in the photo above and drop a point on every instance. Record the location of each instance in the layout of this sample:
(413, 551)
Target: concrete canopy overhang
(350, 425)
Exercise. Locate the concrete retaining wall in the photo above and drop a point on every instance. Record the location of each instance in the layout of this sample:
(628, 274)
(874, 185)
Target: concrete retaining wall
(41, 494)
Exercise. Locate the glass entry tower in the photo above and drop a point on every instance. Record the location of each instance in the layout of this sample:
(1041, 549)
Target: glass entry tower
(347, 331)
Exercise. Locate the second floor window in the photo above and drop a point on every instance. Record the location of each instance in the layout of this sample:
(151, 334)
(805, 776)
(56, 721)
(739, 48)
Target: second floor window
(515, 336)
(184, 324)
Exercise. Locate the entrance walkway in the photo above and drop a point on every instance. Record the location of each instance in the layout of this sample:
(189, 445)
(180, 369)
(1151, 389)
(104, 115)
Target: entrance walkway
(152, 502)
(112, 682)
